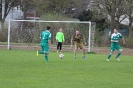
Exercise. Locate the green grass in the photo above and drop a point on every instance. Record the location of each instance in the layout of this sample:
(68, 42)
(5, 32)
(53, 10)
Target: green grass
(23, 69)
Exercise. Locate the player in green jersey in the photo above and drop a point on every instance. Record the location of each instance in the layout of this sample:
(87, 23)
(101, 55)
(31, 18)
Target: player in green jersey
(60, 39)
(45, 37)
(115, 45)
(79, 42)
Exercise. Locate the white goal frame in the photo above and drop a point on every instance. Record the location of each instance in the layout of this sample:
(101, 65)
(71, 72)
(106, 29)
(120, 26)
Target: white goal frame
(86, 22)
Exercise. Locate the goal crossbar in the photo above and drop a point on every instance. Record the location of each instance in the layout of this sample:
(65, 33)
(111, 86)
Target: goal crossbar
(51, 21)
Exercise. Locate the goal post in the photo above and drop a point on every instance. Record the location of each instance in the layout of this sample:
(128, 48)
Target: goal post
(27, 31)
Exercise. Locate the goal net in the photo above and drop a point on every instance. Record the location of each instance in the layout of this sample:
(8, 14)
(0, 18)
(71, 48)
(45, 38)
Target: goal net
(26, 33)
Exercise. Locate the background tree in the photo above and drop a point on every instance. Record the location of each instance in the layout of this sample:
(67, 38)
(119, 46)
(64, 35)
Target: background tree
(128, 6)
(7, 5)
(0, 13)
(68, 7)
(86, 16)
(112, 9)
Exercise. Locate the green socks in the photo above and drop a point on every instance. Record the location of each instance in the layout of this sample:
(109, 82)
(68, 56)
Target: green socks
(41, 52)
(46, 57)
(118, 54)
(109, 56)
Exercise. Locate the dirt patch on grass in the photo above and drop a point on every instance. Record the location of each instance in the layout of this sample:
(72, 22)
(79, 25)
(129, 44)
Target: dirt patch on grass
(98, 50)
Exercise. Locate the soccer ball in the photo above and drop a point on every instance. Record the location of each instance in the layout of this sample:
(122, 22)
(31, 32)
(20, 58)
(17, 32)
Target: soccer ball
(61, 56)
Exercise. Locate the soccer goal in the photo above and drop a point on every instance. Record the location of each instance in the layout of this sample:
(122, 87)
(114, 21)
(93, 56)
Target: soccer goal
(25, 33)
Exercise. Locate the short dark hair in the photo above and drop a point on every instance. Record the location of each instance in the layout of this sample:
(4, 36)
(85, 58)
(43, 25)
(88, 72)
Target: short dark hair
(48, 27)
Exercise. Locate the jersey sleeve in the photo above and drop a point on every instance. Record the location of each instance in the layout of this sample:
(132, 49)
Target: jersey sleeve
(82, 36)
(63, 37)
(120, 35)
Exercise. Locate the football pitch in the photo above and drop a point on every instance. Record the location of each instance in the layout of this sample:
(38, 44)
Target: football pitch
(23, 69)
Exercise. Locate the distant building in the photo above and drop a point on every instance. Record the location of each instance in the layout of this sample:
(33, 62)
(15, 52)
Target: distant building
(17, 13)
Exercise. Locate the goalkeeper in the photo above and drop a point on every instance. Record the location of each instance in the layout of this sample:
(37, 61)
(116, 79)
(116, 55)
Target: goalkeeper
(60, 39)
(45, 37)
(78, 39)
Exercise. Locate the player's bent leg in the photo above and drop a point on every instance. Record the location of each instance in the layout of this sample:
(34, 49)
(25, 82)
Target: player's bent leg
(119, 53)
(112, 49)
(109, 56)
(84, 54)
(82, 47)
(60, 46)
(46, 52)
(57, 47)
(75, 49)
(40, 52)
(46, 56)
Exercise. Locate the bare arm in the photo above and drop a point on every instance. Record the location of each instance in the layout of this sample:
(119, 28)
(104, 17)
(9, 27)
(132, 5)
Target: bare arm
(84, 40)
(49, 42)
